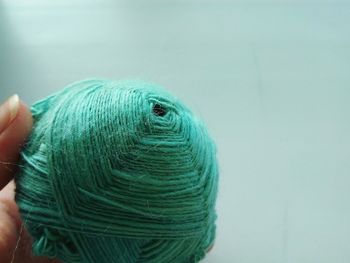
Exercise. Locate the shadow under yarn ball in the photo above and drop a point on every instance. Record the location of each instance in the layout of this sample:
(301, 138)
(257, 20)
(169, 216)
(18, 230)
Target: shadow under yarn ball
(118, 171)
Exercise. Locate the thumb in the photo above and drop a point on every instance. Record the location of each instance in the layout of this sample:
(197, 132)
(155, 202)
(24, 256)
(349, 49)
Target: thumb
(15, 125)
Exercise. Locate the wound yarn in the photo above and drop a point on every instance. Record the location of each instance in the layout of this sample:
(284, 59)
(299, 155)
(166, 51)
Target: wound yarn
(118, 171)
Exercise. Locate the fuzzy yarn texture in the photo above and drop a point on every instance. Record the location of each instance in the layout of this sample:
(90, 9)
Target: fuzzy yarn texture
(118, 171)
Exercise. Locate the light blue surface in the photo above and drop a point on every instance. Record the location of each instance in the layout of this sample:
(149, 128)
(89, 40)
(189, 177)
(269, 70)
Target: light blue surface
(270, 78)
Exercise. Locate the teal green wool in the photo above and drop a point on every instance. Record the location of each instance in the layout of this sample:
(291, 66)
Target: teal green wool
(118, 172)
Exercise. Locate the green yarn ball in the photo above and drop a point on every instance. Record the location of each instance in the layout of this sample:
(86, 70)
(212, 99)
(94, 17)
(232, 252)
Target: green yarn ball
(118, 171)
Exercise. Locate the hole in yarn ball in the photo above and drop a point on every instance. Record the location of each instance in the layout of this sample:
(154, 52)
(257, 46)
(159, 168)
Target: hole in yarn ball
(159, 110)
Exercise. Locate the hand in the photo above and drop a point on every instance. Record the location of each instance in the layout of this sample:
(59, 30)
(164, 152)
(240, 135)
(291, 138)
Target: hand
(15, 125)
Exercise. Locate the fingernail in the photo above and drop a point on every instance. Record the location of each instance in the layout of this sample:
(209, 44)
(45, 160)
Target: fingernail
(8, 112)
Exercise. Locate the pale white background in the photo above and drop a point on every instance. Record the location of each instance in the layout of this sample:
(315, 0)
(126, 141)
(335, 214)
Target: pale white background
(270, 78)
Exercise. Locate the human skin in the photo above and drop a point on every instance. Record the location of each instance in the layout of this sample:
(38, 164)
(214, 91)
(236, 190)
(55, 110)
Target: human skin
(15, 125)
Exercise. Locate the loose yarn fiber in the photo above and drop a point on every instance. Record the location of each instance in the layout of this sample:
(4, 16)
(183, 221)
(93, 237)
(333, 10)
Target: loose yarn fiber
(118, 171)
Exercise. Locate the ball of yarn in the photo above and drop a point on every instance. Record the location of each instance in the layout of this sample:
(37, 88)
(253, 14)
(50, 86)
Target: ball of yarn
(118, 171)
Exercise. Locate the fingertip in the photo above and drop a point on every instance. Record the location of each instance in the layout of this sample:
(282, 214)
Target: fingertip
(11, 141)
(24, 119)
